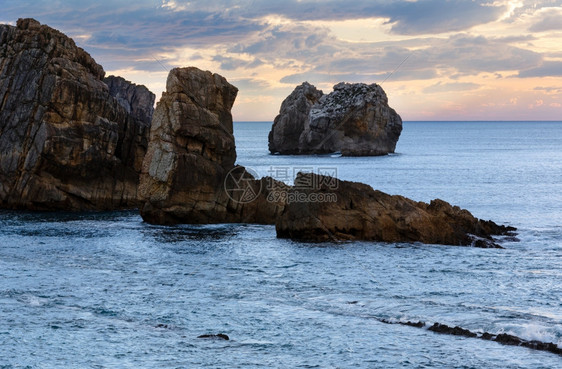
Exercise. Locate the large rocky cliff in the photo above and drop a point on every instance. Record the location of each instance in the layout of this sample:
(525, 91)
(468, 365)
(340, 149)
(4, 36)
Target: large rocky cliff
(66, 141)
(354, 119)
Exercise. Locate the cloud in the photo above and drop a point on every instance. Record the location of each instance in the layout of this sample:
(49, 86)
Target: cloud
(250, 83)
(547, 69)
(450, 87)
(317, 78)
(549, 90)
(268, 46)
(289, 41)
(549, 19)
(124, 32)
(434, 16)
(473, 54)
(407, 17)
(231, 63)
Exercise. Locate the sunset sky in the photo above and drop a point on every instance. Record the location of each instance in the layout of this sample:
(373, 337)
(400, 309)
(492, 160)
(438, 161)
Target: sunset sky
(436, 60)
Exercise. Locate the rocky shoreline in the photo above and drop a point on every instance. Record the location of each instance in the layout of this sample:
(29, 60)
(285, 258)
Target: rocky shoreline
(73, 140)
(357, 212)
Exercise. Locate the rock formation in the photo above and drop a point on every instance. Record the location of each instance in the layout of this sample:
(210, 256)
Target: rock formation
(330, 209)
(288, 126)
(72, 140)
(354, 119)
(188, 173)
(189, 176)
(66, 142)
(136, 99)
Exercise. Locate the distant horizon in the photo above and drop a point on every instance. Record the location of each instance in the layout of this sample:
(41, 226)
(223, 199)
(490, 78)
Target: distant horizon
(451, 60)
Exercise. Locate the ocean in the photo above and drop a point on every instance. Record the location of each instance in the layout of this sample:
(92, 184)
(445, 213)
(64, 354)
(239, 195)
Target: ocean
(105, 290)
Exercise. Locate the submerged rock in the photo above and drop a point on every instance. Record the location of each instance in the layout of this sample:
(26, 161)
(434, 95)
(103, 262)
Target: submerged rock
(331, 209)
(454, 331)
(220, 336)
(188, 173)
(66, 143)
(502, 338)
(354, 119)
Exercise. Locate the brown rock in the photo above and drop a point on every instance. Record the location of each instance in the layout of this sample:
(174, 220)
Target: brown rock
(323, 208)
(354, 119)
(454, 331)
(136, 99)
(188, 173)
(289, 125)
(65, 142)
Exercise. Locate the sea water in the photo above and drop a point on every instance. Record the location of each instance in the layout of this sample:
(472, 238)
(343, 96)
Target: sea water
(105, 290)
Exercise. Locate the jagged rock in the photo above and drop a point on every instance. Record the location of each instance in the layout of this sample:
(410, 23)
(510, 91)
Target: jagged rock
(454, 331)
(324, 208)
(220, 336)
(354, 119)
(188, 172)
(65, 142)
(136, 99)
(289, 125)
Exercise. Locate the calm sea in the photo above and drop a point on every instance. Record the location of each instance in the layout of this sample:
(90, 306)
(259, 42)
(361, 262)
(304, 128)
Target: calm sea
(105, 290)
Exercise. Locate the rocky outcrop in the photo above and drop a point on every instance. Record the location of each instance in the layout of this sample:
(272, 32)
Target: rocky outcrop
(189, 176)
(326, 209)
(288, 126)
(66, 143)
(220, 336)
(136, 99)
(354, 119)
(188, 173)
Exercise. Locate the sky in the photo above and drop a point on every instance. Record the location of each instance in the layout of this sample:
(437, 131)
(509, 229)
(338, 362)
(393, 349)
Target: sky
(436, 60)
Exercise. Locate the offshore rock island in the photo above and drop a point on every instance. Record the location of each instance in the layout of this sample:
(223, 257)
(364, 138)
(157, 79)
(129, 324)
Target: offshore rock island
(354, 119)
(73, 140)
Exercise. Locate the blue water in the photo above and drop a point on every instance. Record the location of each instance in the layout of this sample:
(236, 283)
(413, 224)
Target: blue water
(106, 290)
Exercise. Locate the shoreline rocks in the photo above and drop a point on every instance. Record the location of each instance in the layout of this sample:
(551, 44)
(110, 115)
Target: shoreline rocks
(66, 142)
(342, 210)
(353, 119)
(501, 338)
